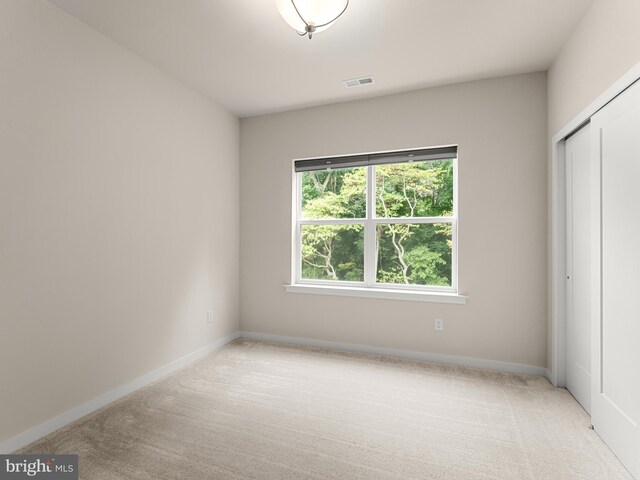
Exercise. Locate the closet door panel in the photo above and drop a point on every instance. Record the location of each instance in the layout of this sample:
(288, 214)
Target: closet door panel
(616, 346)
(578, 333)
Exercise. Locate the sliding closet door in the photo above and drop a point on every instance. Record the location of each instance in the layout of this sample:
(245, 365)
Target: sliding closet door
(578, 200)
(616, 333)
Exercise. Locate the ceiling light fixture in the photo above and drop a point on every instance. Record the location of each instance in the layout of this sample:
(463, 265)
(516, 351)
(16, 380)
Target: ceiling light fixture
(311, 16)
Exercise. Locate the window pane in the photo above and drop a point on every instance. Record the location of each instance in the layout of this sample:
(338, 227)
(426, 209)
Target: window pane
(418, 254)
(418, 189)
(338, 193)
(333, 252)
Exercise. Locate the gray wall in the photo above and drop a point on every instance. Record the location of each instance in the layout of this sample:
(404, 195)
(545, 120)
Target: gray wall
(118, 213)
(604, 46)
(500, 126)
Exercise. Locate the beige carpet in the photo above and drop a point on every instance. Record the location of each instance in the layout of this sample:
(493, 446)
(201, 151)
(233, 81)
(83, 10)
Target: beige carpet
(256, 410)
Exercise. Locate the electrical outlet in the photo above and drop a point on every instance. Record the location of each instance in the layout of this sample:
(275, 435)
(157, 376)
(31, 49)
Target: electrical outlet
(210, 316)
(438, 325)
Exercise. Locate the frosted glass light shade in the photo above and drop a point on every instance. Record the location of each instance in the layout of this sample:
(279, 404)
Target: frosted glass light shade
(315, 12)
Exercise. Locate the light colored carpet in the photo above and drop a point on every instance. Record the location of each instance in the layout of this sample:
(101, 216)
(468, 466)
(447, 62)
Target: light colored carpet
(257, 410)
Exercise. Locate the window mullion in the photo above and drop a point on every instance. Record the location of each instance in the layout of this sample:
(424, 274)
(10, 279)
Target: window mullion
(370, 231)
(454, 253)
(297, 235)
(332, 221)
(414, 220)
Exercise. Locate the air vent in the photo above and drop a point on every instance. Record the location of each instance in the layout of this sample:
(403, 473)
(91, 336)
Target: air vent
(359, 82)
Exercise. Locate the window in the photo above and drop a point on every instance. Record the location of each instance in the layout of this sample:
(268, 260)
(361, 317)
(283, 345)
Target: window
(380, 221)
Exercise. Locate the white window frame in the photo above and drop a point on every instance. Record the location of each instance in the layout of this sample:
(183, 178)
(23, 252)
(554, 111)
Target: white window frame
(369, 284)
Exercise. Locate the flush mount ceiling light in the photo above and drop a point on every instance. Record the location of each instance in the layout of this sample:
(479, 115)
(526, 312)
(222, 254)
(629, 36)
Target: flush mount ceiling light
(311, 16)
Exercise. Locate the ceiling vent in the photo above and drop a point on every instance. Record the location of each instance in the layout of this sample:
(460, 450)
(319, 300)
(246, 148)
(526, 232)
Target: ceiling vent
(359, 82)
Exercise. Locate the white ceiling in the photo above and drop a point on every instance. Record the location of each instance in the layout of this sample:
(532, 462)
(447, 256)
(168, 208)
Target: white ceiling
(244, 56)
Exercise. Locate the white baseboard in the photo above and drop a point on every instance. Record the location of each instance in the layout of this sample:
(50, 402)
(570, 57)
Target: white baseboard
(408, 354)
(53, 424)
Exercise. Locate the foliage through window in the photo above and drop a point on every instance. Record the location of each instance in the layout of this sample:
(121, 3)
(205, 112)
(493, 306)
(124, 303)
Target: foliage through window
(378, 221)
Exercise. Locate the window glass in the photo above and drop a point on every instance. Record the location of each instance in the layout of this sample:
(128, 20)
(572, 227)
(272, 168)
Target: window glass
(414, 254)
(333, 252)
(336, 193)
(418, 189)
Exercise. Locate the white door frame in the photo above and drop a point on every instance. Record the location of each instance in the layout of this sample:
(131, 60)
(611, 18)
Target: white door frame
(557, 368)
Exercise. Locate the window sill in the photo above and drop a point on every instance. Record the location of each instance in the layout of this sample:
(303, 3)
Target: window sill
(388, 294)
